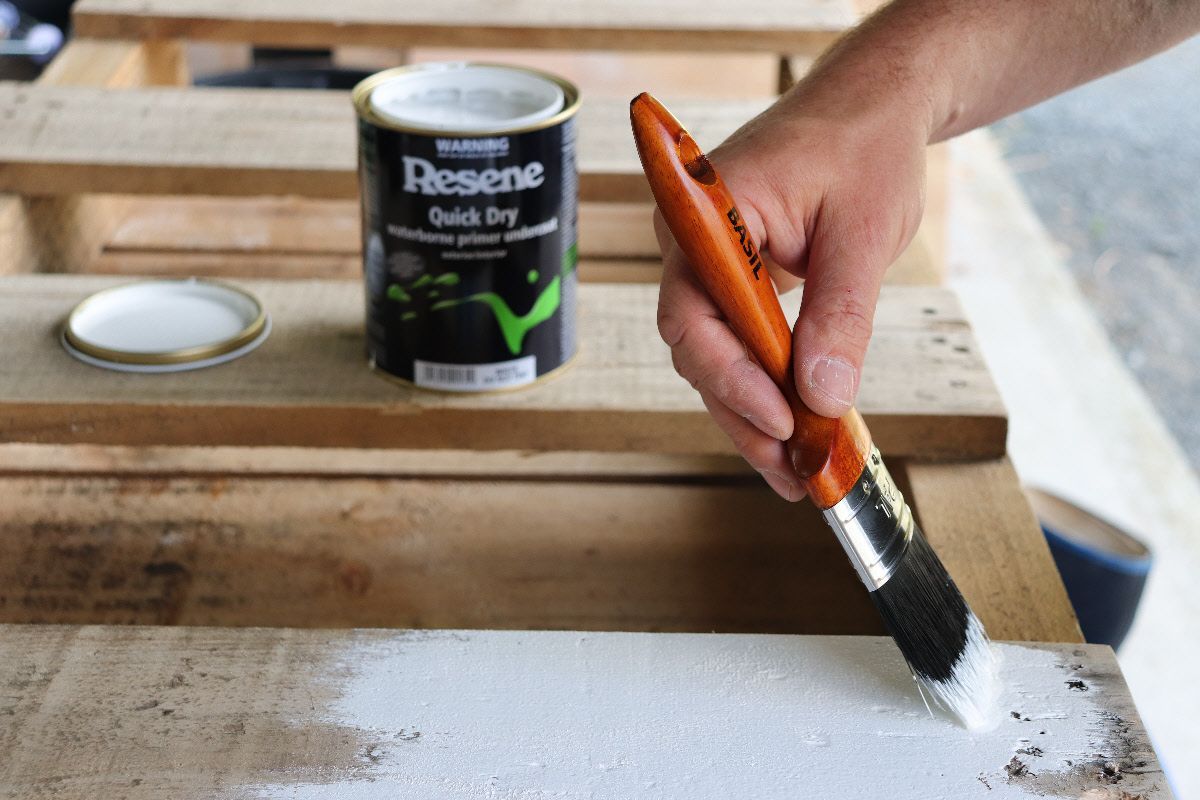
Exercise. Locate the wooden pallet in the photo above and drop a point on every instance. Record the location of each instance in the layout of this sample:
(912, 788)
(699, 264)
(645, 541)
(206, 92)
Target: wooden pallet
(292, 487)
(268, 236)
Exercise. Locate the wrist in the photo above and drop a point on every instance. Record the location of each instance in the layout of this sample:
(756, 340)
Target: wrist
(874, 94)
(899, 65)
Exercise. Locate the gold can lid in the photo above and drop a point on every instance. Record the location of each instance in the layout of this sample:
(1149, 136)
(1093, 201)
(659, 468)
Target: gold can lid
(165, 325)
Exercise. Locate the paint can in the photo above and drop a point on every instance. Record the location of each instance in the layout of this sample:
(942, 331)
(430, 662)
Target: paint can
(469, 209)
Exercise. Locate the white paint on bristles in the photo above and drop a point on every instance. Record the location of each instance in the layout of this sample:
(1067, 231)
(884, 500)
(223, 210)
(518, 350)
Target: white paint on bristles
(970, 693)
(519, 714)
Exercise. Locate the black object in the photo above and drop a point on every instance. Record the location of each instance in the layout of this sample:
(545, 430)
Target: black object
(288, 78)
(56, 12)
(289, 68)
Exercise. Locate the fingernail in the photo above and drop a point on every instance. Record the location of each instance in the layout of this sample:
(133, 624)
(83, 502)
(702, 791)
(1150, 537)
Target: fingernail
(835, 378)
(782, 486)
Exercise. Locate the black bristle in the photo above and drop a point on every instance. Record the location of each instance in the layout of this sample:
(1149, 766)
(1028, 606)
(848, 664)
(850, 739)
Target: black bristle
(924, 612)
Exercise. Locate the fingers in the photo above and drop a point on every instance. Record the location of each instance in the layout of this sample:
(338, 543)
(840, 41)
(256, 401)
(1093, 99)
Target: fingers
(708, 354)
(765, 453)
(837, 314)
(743, 401)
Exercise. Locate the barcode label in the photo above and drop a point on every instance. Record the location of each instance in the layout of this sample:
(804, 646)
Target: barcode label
(475, 377)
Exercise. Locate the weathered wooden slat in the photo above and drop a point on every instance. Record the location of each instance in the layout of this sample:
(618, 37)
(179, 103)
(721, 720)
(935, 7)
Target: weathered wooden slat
(66, 233)
(500, 541)
(289, 237)
(217, 713)
(925, 390)
(250, 142)
(985, 531)
(279, 226)
(487, 552)
(783, 26)
(117, 460)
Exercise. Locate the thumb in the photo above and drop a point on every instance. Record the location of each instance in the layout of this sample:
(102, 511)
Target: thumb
(836, 318)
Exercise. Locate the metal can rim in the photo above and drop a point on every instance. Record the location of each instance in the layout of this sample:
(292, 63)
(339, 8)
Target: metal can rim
(361, 97)
(180, 356)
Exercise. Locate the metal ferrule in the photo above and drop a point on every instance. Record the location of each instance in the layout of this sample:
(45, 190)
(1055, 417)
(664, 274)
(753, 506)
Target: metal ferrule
(873, 523)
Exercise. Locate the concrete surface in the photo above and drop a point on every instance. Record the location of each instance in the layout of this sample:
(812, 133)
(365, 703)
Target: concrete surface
(1113, 170)
(1081, 426)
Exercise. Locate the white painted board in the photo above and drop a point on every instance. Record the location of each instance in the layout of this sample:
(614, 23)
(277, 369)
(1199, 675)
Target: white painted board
(436, 715)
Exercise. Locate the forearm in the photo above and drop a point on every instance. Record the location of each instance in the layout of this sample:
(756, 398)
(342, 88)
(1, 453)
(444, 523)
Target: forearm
(953, 65)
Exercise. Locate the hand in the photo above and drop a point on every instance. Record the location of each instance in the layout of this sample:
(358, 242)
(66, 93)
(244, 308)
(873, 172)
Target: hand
(832, 198)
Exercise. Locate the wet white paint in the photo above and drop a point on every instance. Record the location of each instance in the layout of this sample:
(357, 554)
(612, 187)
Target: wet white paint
(616, 715)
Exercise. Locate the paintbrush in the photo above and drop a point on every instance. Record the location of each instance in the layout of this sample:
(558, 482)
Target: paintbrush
(840, 469)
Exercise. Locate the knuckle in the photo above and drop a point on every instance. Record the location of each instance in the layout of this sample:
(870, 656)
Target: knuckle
(734, 383)
(670, 327)
(689, 358)
(847, 319)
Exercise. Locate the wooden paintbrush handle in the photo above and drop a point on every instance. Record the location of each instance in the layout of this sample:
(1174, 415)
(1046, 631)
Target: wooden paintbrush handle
(828, 454)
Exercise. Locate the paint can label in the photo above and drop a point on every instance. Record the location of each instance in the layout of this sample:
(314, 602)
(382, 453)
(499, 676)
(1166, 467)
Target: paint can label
(469, 236)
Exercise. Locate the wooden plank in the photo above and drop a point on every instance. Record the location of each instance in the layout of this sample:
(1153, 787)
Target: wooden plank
(622, 75)
(153, 712)
(924, 390)
(489, 551)
(783, 26)
(290, 237)
(226, 264)
(292, 226)
(115, 460)
(117, 64)
(459, 539)
(980, 523)
(247, 142)
(61, 234)
(305, 266)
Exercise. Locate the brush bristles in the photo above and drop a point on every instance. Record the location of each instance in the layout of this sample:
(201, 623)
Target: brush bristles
(942, 640)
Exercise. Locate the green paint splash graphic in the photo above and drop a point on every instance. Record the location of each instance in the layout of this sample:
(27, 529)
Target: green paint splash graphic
(514, 327)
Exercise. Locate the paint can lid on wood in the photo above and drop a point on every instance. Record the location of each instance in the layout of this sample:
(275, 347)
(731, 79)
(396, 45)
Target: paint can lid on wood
(165, 326)
(466, 98)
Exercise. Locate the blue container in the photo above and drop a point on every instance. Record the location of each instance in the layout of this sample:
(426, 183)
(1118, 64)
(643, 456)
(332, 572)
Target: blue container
(1103, 567)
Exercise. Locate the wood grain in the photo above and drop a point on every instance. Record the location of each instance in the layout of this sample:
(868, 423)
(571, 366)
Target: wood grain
(218, 713)
(66, 233)
(291, 237)
(118, 460)
(961, 514)
(248, 142)
(925, 390)
(782, 26)
(198, 537)
(496, 551)
(294, 226)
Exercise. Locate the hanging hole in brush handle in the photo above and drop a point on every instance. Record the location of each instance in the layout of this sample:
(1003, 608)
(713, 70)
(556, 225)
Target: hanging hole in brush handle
(695, 161)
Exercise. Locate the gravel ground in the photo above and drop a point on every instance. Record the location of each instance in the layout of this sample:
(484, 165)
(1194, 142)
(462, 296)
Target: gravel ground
(1113, 169)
